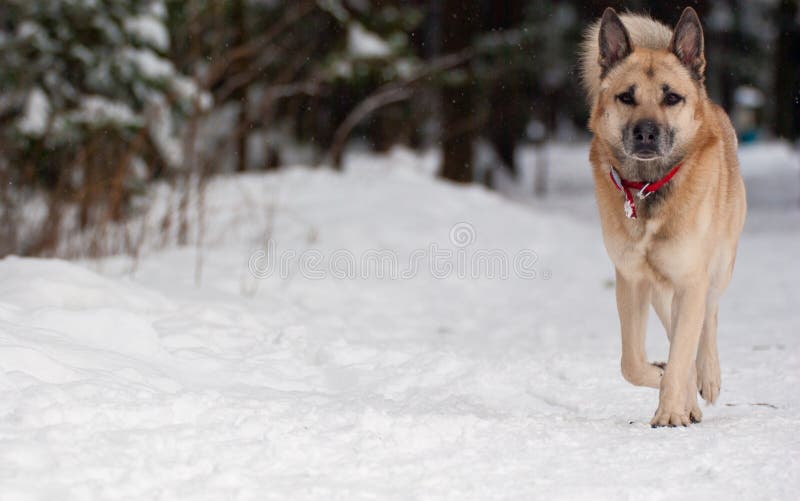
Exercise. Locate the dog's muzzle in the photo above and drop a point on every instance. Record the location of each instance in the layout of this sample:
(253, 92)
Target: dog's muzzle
(644, 140)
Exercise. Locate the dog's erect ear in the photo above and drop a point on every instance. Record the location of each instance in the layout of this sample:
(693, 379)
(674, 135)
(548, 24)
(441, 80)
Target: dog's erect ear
(687, 43)
(615, 43)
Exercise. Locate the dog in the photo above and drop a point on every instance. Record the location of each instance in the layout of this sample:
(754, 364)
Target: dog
(670, 197)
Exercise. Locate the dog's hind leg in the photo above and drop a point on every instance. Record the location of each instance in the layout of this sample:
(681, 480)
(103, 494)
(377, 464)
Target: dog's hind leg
(708, 376)
(633, 302)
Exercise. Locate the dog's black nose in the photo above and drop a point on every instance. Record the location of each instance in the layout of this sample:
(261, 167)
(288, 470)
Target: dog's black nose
(645, 133)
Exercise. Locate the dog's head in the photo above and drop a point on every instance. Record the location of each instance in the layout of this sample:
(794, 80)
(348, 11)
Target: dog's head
(648, 97)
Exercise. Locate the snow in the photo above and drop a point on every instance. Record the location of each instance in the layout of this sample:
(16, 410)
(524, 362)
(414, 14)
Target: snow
(148, 63)
(101, 110)
(183, 376)
(364, 43)
(36, 115)
(148, 29)
(747, 95)
(162, 131)
(156, 68)
(188, 90)
(31, 29)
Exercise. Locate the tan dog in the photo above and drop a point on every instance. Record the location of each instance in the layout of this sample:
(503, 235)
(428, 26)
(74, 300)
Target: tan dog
(671, 200)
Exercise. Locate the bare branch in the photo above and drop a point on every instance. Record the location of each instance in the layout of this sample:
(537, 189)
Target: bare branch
(256, 45)
(389, 93)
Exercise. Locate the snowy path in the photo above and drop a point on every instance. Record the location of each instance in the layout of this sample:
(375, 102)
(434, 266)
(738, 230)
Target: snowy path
(119, 385)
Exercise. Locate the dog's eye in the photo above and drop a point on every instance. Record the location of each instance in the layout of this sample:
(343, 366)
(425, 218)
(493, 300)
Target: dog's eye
(626, 98)
(671, 99)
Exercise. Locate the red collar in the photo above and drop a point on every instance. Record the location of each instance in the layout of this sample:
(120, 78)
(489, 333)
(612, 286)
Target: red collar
(645, 189)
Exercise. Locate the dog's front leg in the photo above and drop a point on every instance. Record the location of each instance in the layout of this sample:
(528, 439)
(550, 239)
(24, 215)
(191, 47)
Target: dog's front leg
(633, 302)
(688, 309)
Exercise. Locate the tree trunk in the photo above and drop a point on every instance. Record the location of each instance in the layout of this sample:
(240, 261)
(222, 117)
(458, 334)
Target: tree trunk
(240, 94)
(507, 113)
(787, 80)
(459, 21)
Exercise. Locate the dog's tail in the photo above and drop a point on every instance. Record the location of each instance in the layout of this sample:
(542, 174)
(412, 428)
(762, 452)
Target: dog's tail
(644, 32)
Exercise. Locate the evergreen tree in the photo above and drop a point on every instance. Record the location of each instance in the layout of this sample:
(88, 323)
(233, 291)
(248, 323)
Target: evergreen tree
(88, 96)
(75, 69)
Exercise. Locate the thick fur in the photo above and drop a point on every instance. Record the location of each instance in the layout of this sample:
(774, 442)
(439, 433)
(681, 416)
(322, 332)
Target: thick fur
(678, 255)
(644, 31)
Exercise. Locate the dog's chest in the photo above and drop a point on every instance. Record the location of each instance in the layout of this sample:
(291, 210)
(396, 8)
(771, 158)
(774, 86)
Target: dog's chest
(642, 253)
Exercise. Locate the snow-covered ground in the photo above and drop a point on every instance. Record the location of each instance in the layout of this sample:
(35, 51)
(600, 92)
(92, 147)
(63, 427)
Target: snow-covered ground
(186, 376)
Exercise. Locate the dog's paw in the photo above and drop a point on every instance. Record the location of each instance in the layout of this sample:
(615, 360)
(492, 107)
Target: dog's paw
(691, 407)
(695, 414)
(644, 374)
(665, 417)
(708, 379)
(674, 409)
